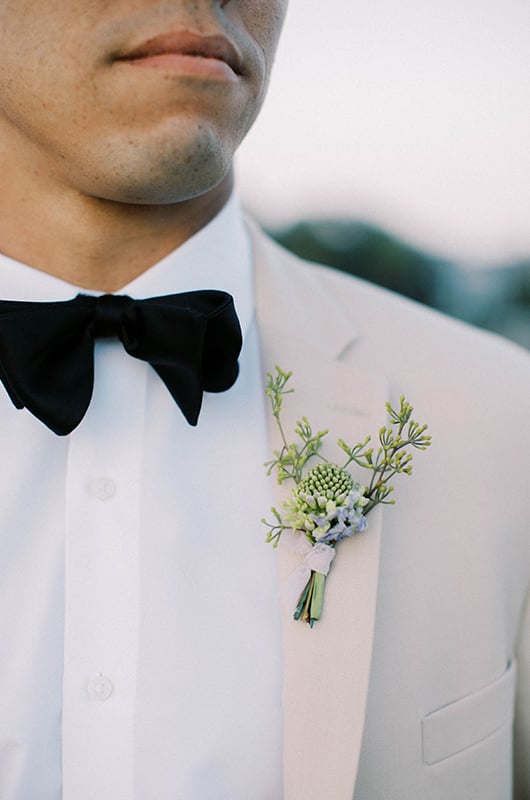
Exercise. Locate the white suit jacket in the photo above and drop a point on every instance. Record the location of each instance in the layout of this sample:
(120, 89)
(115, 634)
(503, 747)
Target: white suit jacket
(406, 687)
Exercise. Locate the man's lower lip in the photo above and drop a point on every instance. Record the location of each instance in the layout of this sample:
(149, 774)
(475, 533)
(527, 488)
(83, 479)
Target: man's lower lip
(186, 65)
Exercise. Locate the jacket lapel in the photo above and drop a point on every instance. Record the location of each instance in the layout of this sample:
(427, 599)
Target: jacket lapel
(327, 668)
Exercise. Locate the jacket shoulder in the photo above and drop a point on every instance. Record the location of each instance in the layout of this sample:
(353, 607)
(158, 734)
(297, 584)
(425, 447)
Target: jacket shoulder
(397, 324)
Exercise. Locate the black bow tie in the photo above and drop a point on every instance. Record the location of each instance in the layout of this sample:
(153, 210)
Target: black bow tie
(192, 340)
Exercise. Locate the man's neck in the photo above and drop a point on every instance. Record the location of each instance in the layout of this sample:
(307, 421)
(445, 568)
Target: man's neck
(98, 244)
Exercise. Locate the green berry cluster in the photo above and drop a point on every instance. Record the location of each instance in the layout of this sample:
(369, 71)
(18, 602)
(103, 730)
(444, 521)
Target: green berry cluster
(325, 482)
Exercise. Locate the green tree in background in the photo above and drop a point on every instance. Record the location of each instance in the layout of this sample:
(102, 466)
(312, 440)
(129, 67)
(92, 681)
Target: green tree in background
(492, 297)
(366, 252)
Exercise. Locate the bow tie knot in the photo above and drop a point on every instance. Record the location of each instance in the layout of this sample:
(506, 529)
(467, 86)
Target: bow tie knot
(109, 316)
(192, 340)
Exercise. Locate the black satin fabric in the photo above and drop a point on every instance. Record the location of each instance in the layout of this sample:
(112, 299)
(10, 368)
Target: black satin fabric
(192, 340)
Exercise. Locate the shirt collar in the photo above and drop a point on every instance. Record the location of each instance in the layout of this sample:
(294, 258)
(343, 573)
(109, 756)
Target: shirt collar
(216, 257)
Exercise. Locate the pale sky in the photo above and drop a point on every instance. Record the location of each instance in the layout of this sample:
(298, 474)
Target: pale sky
(413, 115)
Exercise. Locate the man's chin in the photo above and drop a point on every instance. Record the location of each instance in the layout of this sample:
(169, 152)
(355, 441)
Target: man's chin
(157, 193)
(160, 173)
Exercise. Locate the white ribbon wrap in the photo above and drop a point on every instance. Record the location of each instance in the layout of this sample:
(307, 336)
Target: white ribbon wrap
(317, 558)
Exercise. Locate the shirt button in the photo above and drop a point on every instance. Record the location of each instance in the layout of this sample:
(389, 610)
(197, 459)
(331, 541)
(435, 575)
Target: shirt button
(102, 488)
(100, 688)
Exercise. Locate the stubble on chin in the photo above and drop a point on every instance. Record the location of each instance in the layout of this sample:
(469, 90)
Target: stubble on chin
(175, 163)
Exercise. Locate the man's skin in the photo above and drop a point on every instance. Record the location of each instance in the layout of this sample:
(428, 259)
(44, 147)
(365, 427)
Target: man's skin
(109, 163)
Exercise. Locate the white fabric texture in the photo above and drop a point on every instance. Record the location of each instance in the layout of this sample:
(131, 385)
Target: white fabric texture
(134, 574)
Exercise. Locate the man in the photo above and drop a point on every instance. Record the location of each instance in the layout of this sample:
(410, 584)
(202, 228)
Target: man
(141, 646)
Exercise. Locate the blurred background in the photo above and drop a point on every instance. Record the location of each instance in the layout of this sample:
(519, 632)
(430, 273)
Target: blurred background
(395, 144)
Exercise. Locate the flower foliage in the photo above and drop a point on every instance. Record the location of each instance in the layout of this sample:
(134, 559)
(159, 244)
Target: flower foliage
(326, 505)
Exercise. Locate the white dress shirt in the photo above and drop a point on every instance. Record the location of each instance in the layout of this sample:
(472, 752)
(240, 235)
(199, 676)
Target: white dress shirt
(139, 622)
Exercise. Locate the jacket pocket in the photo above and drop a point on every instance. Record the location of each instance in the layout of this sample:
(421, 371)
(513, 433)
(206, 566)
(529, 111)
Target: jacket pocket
(469, 720)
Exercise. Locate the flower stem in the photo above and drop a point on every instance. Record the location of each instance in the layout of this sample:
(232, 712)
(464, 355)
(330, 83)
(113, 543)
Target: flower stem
(307, 605)
(303, 597)
(309, 608)
(317, 598)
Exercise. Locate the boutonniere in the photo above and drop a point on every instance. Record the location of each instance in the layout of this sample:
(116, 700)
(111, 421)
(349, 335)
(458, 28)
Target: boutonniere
(326, 504)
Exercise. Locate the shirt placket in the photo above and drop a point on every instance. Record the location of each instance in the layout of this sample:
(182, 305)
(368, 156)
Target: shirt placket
(102, 583)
